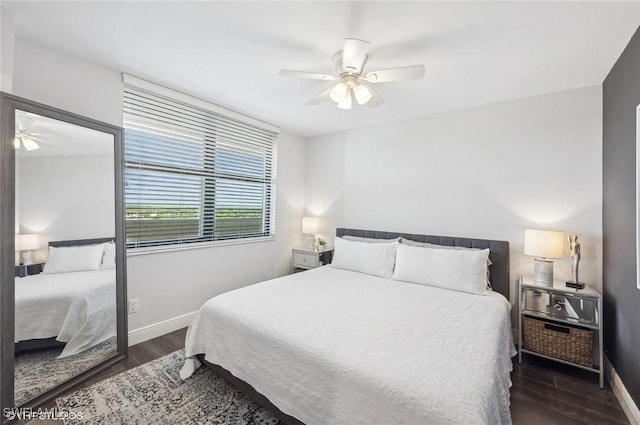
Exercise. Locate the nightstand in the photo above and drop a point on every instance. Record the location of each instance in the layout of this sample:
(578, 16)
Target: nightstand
(561, 324)
(31, 269)
(305, 260)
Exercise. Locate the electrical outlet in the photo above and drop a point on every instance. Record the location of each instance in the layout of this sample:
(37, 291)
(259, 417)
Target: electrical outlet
(134, 305)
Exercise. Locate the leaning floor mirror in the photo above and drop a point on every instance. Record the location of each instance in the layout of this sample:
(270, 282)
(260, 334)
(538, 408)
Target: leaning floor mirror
(62, 252)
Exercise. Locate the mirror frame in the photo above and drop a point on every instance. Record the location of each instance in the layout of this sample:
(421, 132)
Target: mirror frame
(8, 106)
(638, 196)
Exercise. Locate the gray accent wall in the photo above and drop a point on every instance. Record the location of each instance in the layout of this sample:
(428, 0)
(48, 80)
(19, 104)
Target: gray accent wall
(621, 96)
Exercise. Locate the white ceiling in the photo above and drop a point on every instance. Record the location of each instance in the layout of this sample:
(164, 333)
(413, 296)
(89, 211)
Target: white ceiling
(230, 52)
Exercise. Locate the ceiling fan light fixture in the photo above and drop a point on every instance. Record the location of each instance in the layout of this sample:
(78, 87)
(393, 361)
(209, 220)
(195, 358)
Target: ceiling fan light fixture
(362, 94)
(345, 103)
(338, 92)
(16, 142)
(349, 70)
(29, 144)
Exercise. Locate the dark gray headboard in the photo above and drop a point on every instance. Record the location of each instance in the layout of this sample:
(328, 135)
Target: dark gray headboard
(79, 242)
(499, 254)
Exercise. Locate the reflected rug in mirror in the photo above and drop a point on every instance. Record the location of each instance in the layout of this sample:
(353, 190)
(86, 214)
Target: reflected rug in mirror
(153, 393)
(37, 371)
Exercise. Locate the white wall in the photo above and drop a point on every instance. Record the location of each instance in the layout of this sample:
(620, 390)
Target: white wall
(54, 78)
(486, 172)
(7, 44)
(66, 197)
(173, 283)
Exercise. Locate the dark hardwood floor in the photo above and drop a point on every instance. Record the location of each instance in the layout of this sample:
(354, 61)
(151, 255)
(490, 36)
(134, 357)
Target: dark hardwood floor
(551, 393)
(543, 392)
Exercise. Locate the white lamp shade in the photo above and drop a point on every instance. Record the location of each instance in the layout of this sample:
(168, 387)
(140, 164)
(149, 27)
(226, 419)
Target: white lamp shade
(338, 92)
(543, 243)
(27, 242)
(345, 103)
(30, 144)
(362, 94)
(310, 225)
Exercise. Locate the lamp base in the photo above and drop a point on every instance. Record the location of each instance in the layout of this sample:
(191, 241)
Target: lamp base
(543, 272)
(27, 258)
(310, 242)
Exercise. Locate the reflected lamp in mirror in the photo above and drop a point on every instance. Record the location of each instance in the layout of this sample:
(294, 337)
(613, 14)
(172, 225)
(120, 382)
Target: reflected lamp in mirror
(310, 226)
(26, 244)
(543, 244)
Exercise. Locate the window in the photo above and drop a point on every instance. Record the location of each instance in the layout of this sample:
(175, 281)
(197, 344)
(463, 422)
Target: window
(194, 174)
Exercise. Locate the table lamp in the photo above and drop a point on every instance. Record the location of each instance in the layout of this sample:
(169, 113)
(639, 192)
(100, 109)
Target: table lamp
(310, 226)
(543, 244)
(27, 243)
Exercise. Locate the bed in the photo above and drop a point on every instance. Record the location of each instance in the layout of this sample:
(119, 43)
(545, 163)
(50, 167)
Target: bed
(336, 346)
(73, 304)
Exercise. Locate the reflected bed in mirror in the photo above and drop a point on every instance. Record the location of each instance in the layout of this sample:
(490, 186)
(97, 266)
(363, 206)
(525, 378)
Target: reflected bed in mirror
(65, 316)
(62, 252)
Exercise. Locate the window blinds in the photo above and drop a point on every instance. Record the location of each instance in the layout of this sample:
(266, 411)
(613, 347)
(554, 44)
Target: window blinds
(194, 174)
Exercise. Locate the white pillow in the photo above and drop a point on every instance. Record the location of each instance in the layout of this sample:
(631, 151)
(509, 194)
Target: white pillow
(65, 259)
(459, 270)
(377, 259)
(436, 246)
(109, 257)
(370, 240)
(433, 245)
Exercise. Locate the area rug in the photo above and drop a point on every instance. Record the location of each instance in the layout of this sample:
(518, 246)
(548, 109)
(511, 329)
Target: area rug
(153, 393)
(39, 370)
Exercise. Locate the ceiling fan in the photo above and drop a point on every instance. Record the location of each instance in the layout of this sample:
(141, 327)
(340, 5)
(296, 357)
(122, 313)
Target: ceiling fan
(25, 137)
(349, 71)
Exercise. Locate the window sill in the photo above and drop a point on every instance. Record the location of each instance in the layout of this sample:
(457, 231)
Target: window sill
(133, 252)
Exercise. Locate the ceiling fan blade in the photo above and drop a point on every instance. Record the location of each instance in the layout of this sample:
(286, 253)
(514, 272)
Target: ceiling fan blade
(414, 72)
(307, 75)
(354, 54)
(320, 98)
(44, 142)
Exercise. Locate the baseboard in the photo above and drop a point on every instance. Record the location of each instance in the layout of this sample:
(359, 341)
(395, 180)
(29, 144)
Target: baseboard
(145, 333)
(621, 393)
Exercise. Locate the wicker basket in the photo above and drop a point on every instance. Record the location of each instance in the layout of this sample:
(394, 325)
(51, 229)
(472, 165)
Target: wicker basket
(559, 341)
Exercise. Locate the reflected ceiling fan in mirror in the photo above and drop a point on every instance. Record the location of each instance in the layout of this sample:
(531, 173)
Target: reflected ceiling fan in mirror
(25, 137)
(349, 72)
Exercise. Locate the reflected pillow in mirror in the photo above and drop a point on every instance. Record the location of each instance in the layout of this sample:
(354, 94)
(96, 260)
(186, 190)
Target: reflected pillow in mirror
(66, 259)
(109, 258)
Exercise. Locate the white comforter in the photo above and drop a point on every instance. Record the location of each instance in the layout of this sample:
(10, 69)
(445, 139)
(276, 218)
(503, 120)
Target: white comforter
(78, 308)
(331, 346)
